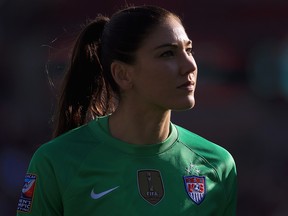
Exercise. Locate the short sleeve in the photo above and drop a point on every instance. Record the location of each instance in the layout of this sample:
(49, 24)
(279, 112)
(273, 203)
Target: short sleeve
(230, 184)
(40, 194)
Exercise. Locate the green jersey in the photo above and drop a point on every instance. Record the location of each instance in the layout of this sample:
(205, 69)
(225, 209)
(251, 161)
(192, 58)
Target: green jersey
(88, 172)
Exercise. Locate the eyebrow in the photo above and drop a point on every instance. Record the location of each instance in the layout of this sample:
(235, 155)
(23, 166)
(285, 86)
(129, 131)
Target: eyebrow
(174, 45)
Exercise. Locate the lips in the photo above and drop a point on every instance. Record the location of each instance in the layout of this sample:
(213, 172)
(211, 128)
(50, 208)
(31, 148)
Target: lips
(187, 85)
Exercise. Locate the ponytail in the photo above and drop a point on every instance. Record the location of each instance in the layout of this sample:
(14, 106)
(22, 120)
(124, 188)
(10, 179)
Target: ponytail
(85, 94)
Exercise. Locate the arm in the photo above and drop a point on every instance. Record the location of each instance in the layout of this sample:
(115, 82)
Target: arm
(40, 194)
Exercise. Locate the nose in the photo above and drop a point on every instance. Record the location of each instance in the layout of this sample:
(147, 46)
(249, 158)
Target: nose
(188, 65)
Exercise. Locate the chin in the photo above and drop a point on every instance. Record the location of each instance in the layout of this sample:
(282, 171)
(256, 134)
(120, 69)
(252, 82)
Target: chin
(185, 106)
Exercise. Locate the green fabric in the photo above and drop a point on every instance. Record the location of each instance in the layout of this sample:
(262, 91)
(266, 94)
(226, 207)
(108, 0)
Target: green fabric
(88, 159)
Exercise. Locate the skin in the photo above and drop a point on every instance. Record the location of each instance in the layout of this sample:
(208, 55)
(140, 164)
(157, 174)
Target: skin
(162, 79)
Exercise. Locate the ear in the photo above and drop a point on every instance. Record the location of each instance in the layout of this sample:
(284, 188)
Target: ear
(121, 73)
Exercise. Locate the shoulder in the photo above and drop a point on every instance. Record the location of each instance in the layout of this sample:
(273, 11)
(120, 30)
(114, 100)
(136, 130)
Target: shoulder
(75, 143)
(199, 143)
(217, 156)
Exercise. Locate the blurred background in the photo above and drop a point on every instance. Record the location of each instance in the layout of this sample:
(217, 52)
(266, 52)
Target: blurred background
(241, 48)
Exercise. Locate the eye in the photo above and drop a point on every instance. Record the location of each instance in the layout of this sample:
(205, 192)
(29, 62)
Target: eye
(168, 53)
(189, 51)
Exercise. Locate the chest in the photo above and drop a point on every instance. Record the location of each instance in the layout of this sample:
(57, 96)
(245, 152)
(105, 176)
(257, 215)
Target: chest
(144, 185)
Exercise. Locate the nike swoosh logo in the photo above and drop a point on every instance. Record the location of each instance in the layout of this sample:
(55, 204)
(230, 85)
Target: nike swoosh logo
(99, 195)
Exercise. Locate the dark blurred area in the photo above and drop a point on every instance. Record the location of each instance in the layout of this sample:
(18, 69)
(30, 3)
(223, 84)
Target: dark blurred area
(241, 48)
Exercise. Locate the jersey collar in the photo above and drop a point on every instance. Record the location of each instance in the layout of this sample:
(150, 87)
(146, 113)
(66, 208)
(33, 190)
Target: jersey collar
(100, 128)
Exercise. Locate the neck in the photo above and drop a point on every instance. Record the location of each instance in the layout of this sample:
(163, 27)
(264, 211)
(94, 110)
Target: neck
(136, 126)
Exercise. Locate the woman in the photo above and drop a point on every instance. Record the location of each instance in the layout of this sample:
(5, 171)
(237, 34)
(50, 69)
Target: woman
(115, 150)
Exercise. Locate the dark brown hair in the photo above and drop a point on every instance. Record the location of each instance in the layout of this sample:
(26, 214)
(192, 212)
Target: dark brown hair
(89, 89)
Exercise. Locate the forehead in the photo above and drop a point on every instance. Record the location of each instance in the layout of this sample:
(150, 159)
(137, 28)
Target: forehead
(169, 31)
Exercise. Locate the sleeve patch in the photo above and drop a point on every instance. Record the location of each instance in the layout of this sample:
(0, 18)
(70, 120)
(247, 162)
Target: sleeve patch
(27, 193)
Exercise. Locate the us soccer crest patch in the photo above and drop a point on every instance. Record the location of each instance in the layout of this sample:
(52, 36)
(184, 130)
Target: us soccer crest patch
(26, 197)
(195, 187)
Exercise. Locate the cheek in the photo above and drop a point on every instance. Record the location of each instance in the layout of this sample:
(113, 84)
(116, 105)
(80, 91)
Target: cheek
(164, 73)
(161, 81)
(157, 77)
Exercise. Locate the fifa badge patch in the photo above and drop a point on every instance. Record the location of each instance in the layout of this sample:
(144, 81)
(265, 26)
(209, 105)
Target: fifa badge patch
(195, 187)
(150, 185)
(26, 197)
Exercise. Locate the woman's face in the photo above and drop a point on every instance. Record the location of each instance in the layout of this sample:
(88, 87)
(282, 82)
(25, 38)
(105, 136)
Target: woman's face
(165, 71)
